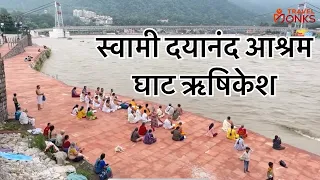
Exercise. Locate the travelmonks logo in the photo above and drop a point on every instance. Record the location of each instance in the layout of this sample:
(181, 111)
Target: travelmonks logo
(295, 16)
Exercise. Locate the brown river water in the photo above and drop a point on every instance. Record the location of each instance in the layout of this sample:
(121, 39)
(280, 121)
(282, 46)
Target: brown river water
(293, 114)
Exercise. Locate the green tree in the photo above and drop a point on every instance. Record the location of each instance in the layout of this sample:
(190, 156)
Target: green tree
(34, 21)
(7, 20)
(148, 12)
(72, 21)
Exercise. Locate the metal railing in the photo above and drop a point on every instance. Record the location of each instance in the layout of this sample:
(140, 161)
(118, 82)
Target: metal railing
(11, 41)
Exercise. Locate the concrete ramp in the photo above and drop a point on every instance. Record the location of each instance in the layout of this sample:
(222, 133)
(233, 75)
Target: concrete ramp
(15, 47)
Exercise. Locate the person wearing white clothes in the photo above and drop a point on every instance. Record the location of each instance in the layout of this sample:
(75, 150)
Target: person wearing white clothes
(130, 109)
(60, 138)
(159, 112)
(39, 97)
(106, 107)
(246, 158)
(144, 117)
(131, 118)
(96, 104)
(75, 110)
(25, 119)
(112, 103)
(138, 114)
(227, 124)
(87, 100)
(100, 98)
(49, 145)
(169, 110)
(82, 96)
(167, 124)
(239, 144)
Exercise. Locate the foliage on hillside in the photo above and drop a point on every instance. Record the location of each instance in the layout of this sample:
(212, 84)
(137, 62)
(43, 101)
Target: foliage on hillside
(178, 12)
(6, 19)
(138, 12)
(142, 12)
(33, 21)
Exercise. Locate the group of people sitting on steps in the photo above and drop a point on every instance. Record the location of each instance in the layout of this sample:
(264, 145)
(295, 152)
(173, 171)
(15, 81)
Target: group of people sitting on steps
(44, 47)
(22, 115)
(240, 134)
(138, 113)
(144, 114)
(109, 102)
(106, 102)
(61, 142)
(29, 58)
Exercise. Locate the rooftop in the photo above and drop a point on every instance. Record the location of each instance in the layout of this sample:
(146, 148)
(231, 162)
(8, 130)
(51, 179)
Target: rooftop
(195, 157)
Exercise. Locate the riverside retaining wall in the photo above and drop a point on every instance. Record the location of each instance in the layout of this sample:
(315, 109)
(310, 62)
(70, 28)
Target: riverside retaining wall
(3, 93)
(40, 59)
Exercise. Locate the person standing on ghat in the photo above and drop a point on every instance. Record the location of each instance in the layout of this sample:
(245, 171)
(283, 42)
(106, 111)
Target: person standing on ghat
(15, 101)
(40, 97)
(245, 157)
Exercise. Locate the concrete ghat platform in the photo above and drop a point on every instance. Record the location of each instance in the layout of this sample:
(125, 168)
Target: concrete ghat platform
(197, 156)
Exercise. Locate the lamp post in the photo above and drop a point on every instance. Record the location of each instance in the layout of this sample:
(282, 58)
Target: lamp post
(18, 26)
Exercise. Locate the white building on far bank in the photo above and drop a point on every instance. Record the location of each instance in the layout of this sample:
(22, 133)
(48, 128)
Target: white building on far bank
(90, 16)
(77, 13)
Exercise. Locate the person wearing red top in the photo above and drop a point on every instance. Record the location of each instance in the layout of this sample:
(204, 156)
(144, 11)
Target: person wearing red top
(46, 130)
(66, 143)
(142, 129)
(242, 132)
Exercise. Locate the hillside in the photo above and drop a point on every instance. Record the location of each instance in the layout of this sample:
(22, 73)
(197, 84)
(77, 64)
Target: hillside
(252, 6)
(137, 12)
(271, 5)
(264, 10)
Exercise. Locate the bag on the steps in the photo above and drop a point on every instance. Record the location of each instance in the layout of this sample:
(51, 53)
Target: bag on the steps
(283, 164)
